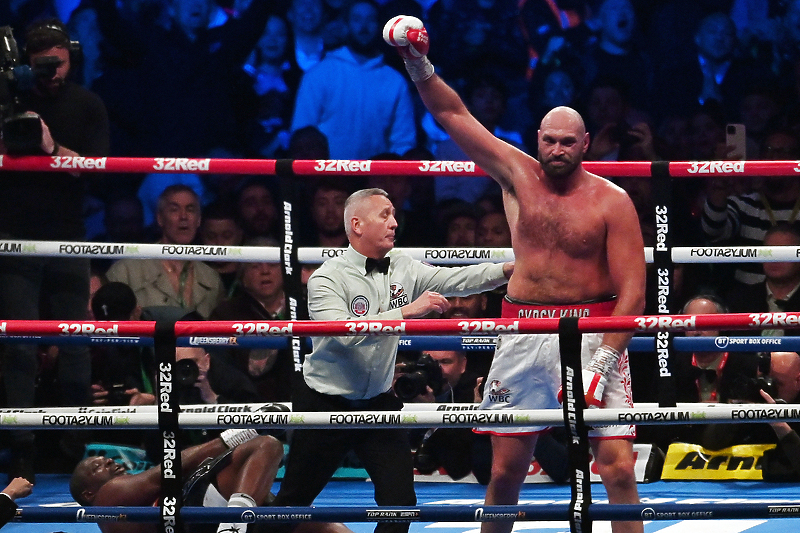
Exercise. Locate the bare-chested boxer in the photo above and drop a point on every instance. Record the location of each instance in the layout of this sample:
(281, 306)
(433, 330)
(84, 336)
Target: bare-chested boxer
(578, 251)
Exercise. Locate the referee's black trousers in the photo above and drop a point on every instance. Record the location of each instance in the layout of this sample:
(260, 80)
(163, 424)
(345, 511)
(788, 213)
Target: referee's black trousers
(315, 454)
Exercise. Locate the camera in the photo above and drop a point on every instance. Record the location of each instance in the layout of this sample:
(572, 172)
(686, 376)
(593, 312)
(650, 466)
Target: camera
(21, 131)
(416, 376)
(186, 373)
(116, 394)
(748, 389)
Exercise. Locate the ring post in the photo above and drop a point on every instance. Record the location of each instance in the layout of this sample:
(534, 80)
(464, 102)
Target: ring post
(168, 427)
(569, 341)
(665, 273)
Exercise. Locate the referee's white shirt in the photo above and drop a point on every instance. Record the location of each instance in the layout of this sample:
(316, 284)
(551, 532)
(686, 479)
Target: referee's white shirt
(362, 367)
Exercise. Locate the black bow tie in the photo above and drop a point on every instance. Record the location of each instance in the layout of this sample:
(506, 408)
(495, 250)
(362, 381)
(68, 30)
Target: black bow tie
(709, 373)
(381, 265)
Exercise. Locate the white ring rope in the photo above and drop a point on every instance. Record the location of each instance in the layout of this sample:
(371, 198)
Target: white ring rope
(440, 255)
(225, 416)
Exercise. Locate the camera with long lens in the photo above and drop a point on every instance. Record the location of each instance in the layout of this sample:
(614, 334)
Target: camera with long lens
(21, 131)
(748, 388)
(415, 377)
(186, 373)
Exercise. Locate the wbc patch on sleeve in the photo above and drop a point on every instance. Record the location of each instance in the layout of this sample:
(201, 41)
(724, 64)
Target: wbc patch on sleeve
(398, 297)
(360, 305)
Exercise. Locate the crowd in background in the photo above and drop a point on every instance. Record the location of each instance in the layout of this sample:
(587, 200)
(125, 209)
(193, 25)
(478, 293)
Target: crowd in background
(312, 79)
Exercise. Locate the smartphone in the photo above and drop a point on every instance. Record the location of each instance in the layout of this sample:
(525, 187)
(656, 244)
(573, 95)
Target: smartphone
(736, 140)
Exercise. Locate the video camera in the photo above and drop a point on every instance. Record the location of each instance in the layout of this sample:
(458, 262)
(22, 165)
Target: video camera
(21, 131)
(748, 388)
(416, 376)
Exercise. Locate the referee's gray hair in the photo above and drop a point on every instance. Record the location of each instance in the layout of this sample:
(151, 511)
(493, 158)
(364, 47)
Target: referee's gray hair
(354, 200)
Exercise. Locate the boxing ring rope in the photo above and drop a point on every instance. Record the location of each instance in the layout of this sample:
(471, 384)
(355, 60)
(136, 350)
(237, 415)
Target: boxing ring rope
(346, 167)
(316, 255)
(661, 171)
(444, 513)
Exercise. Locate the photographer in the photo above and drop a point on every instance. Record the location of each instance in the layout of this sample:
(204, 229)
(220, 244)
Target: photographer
(439, 377)
(58, 118)
(777, 381)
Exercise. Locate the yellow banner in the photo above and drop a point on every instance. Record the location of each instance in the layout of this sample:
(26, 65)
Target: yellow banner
(693, 462)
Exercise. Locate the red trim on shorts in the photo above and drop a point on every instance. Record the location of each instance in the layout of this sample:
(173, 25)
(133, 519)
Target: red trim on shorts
(516, 309)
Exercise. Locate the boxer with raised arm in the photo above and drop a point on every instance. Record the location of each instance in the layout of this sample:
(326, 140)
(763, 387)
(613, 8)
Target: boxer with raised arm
(578, 251)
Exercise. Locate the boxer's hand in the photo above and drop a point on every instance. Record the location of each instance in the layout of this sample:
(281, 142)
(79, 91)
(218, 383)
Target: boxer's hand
(594, 384)
(408, 35)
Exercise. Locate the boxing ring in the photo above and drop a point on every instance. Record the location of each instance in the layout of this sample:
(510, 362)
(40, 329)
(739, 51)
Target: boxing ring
(461, 509)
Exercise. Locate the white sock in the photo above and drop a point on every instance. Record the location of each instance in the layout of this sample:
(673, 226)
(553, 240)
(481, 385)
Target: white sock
(237, 499)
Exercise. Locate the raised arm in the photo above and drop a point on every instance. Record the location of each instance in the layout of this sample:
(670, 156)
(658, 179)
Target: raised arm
(491, 154)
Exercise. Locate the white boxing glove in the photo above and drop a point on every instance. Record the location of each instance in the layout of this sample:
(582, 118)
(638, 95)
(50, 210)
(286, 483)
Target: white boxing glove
(410, 37)
(595, 376)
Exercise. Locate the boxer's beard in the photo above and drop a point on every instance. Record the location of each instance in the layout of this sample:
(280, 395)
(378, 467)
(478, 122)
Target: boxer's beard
(555, 171)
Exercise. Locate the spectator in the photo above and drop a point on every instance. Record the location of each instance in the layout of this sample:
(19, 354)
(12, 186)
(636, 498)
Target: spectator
(153, 185)
(672, 140)
(470, 307)
(307, 18)
(153, 112)
(550, 88)
(449, 448)
(621, 132)
(760, 109)
(120, 374)
(123, 220)
(261, 298)
(308, 143)
(777, 381)
(493, 231)
(188, 285)
(617, 53)
(327, 215)
(338, 95)
(47, 206)
(708, 376)
(257, 211)
(715, 73)
(84, 28)
(220, 227)
(743, 219)
(275, 77)
(459, 221)
(778, 292)
(702, 376)
(475, 35)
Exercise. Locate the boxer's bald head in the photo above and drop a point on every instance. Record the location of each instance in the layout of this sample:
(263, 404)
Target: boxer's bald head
(562, 142)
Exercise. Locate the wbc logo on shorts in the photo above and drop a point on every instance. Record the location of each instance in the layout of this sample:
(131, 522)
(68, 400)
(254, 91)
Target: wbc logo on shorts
(359, 306)
(497, 393)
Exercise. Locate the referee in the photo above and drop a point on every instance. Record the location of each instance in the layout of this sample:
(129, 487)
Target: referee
(368, 282)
